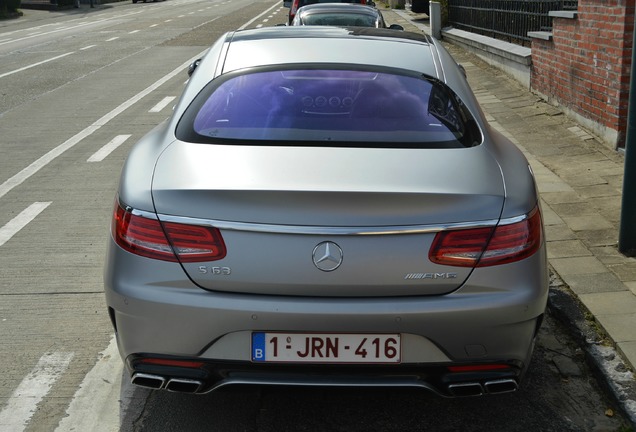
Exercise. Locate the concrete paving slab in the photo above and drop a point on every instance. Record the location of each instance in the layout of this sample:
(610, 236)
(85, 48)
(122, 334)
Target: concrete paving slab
(611, 303)
(589, 222)
(578, 265)
(628, 349)
(625, 272)
(593, 191)
(599, 237)
(620, 326)
(558, 197)
(595, 283)
(559, 232)
(567, 248)
(573, 209)
(550, 217)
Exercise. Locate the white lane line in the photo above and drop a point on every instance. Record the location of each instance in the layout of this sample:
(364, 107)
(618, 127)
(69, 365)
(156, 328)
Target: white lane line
(101, 399)
(161, 105)
(134, 31)
(21, 220)
(112, 39)
(34, 387)
(87, 47)
(258, 16)
(101, 154)
(37, 165)
(82, 24)
(35, 64)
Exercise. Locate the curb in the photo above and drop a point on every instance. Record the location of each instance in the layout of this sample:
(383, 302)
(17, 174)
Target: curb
(600, 355)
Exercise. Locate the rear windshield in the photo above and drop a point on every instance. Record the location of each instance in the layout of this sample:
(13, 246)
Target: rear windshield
(340, 19)
(341, 107)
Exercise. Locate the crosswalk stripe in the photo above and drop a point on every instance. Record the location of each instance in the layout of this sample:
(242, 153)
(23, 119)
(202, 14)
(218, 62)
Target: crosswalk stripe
(101, 397)
(161, 105)
(34, 387)
(21, 220)
(101, 154)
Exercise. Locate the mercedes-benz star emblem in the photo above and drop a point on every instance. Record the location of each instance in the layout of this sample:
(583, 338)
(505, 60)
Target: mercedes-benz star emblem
(327, 256)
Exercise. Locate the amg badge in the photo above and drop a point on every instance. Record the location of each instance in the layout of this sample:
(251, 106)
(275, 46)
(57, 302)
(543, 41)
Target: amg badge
(430, 276)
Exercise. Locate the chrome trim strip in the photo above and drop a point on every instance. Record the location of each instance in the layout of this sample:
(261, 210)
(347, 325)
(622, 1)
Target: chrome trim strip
(324, 230)
(324, 382)
(327, 230)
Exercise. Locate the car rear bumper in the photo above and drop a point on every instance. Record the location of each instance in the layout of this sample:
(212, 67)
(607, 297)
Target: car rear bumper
(153, 313)
(208, 376)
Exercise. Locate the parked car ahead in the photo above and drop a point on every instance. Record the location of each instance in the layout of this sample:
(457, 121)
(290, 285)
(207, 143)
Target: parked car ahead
(294, 5)
(420, 6)
(336, 212)
(341, 14)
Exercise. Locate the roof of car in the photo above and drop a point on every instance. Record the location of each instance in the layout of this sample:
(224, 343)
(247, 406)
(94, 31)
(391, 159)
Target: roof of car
(331, 45)
(281, 32)
(338, 7)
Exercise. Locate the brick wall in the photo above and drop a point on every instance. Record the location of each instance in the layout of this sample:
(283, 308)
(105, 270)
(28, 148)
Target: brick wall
(585, 68)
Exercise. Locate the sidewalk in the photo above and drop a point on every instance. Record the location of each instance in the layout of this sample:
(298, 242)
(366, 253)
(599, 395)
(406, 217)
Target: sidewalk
(580, 181)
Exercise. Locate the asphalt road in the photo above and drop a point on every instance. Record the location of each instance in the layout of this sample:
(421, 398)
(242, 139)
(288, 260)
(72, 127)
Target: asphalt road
(77, 89)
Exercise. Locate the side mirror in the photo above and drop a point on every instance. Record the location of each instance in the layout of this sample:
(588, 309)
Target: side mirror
(396, 27)
(193, 66)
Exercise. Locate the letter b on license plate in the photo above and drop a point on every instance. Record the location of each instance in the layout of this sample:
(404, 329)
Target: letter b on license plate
(326, 347)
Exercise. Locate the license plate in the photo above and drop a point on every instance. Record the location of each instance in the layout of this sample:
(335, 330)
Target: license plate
(326, 347)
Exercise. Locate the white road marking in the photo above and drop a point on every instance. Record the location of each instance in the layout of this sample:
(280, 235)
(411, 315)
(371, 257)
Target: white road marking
(36, 64)
(88, 47)
(33, 388)
(37, 165)
(82, 24)
(21, 220)
(102, 398)
(257, 17)
(112, 39)
(161, 105)
(134, 31)
(101, 154)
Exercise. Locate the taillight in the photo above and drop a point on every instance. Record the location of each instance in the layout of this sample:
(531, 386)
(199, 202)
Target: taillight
(165, 241)
(479, 367)
(483, 247)
(193, 364)
(293, 9)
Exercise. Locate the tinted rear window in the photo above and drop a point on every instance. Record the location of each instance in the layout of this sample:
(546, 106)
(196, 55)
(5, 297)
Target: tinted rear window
(339, 19)
(342, 107)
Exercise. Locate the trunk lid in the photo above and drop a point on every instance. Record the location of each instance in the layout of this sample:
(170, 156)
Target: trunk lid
(278, 205)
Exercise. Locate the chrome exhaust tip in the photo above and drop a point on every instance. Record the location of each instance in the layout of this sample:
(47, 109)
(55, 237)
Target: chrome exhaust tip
(466, 389)
(183, 385)
(501, 386)
(148, 381)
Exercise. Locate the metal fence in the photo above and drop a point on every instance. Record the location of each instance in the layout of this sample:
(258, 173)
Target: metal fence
(509, 20)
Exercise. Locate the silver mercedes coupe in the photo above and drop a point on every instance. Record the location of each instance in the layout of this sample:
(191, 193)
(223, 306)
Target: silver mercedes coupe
(327, 206)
